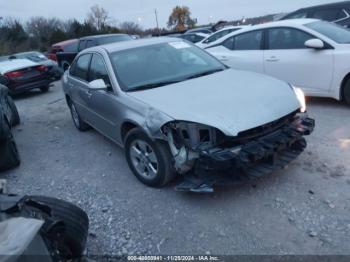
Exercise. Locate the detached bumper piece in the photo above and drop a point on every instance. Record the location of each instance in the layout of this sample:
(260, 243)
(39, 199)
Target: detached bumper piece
(260, 156)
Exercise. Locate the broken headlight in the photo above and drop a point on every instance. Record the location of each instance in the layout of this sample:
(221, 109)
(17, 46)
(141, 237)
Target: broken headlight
(301, 98)
(193, 135)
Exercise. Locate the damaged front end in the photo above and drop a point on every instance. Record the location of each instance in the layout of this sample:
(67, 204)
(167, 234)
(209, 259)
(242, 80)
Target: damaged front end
(207, 157)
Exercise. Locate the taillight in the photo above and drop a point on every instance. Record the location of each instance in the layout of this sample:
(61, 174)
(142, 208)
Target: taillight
(14, 74)
(41, 68)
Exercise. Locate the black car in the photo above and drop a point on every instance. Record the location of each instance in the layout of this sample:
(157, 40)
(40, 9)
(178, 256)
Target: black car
(20, 75)
(64, 59)
(336, 12)
(8, 118)
(40, 58)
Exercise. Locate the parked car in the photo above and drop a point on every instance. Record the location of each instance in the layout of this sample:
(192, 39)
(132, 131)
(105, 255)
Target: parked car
(203, 30)
(217, 35)
(9, 117)
(65, 46)
(308, 53)
(40, 228)
(175, 109)
(40, 58)
(334, 12)
(23, 75)
(65, 58)
(193, 37)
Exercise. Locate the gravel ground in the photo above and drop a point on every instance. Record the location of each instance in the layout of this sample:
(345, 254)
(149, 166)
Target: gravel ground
(303, 209)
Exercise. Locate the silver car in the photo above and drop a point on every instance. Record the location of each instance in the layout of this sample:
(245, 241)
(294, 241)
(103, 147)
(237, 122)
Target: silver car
(178, 110)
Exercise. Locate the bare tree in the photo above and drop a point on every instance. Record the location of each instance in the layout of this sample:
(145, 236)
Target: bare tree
(131, 28)
(98, 17)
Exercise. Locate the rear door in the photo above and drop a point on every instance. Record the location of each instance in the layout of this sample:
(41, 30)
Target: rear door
(288, 59)
(243, 51)
(78, 84)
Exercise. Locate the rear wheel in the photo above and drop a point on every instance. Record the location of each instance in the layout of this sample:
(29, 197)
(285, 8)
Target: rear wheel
(346, 92)
(150, 161)
(8, 150)
(45, 89)
(78, 122)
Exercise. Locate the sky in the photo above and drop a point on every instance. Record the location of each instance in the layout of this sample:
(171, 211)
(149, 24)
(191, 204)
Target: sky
(142, 11)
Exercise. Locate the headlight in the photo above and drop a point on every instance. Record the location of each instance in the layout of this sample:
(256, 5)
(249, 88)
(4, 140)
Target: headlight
(193, 135)
(301, 98)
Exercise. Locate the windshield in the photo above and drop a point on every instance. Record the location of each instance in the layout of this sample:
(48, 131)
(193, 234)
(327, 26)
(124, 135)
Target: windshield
(161, 64)
(333, 31)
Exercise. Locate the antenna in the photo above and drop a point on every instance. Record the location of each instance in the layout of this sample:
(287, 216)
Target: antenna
(156, 14)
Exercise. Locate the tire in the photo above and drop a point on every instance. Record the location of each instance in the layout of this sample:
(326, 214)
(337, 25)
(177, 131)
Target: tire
(160, 150)
(346, 92)
(76, 225)
(15, 120)
(78, 122)
(8, 148)
(45, 89)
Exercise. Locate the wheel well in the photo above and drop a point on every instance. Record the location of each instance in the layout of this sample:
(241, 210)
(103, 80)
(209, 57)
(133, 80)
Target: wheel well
(126, 127)
(343, 83)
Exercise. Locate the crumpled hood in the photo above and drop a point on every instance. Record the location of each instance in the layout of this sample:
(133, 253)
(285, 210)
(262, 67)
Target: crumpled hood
(15, 64)
(232, 100)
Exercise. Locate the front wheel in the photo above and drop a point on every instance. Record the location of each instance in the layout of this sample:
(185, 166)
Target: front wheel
(346, 92)
(150, 161)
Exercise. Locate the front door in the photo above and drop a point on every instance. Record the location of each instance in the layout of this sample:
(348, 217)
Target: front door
(288, 59)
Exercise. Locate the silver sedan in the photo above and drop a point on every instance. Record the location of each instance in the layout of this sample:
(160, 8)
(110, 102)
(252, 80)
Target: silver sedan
(178, 110)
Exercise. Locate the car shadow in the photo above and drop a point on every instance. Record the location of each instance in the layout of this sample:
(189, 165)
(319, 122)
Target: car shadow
(326, 102)
(28, 94)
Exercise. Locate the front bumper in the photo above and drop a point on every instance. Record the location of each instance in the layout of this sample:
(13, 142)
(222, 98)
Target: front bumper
(255, 158)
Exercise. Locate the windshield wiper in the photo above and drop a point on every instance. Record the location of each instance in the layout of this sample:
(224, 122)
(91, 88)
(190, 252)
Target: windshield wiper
(209, 72)
(152, 85)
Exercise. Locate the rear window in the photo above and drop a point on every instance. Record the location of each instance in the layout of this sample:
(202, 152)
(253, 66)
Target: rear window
(337, 33)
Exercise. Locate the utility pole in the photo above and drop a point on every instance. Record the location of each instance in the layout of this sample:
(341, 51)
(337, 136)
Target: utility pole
(155, 12)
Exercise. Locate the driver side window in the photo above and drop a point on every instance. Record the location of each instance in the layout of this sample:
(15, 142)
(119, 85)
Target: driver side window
(98, 70)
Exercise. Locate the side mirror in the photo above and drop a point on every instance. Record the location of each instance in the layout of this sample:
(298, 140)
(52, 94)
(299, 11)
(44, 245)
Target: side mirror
(98, 84)
(314, 43)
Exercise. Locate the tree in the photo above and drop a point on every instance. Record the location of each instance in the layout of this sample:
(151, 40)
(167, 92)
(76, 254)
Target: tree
(97, 17)
(180, 19)
(131, 28)
(44, 31)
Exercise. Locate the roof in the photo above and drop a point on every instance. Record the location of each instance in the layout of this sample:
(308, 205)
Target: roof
(119, 46)
(287, 22)
(99, 36)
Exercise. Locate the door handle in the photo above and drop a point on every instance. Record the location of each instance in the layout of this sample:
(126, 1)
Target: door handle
(224, 58)
(272, 59)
